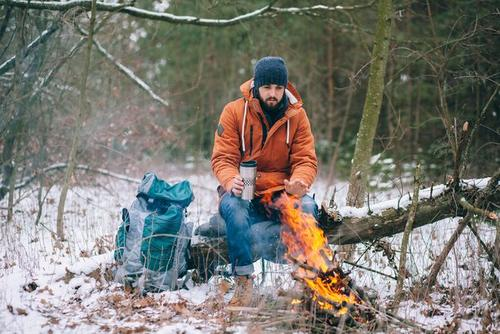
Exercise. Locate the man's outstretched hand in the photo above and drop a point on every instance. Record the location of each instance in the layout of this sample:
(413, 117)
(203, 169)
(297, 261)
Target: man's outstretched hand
(236, 186)
(296, 187)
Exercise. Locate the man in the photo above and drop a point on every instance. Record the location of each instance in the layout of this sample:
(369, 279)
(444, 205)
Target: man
(268, 125)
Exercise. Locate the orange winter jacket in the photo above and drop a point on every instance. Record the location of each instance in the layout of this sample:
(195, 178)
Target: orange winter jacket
(285, 151)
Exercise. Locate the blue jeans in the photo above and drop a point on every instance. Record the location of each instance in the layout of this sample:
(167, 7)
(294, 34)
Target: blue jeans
(254, 232)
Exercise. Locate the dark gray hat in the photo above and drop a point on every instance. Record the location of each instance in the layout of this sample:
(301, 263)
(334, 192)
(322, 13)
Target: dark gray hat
(270, 70)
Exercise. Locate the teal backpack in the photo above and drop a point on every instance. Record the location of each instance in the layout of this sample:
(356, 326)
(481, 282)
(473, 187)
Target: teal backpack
(153, 240)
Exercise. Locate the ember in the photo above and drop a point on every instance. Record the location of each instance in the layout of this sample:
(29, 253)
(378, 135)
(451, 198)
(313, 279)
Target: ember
(308, 248)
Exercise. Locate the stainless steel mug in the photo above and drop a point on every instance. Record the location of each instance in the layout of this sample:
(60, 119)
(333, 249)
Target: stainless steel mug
(248, 172)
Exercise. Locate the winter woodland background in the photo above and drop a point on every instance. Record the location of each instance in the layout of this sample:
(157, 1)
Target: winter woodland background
(89, 97)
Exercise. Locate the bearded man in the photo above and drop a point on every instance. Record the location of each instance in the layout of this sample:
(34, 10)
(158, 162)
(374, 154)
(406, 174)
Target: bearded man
(268, 125)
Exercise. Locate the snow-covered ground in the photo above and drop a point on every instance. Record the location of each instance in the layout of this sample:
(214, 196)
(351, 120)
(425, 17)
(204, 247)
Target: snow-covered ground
(47, 286)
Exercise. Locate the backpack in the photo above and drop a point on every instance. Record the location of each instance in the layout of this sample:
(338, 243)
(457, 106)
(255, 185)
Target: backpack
(153, 239)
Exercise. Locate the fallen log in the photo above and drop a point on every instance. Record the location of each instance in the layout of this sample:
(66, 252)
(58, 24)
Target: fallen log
(389, 222)
(209, 252)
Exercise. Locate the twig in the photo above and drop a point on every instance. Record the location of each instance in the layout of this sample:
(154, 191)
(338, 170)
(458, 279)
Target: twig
(406, 237)
(45, 81)
(436, 267)
(406, 322)
(371, 270)
(488, 251)
(130, 74)
(42, 38)
(480, 117)
(485, 213)
(62, 166)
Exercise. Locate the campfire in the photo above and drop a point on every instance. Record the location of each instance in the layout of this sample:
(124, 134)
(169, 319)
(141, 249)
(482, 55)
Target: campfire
(307, 247)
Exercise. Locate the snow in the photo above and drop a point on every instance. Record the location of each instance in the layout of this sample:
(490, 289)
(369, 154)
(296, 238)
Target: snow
(72, 294)
(401, 202)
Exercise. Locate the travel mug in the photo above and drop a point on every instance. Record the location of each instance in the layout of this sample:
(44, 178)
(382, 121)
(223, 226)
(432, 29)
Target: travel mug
(248, 172)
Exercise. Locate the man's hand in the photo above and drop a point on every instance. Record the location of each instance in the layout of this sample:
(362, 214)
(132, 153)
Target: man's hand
(296, 187)
(236, 186)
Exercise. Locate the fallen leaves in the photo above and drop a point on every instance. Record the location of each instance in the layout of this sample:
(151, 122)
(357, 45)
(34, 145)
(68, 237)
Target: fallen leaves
(180, 308)
(144, 302)
(17, 310)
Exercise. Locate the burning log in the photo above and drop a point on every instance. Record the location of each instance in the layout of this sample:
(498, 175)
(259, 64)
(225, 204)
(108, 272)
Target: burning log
(307, 247)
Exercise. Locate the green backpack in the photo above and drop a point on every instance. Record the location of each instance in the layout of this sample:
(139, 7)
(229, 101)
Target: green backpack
(153, 240)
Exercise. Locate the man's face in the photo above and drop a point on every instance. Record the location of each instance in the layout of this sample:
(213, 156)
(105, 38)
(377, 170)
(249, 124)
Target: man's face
(271, 94)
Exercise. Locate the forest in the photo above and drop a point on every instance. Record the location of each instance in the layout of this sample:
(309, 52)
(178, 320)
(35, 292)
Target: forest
(402, 99)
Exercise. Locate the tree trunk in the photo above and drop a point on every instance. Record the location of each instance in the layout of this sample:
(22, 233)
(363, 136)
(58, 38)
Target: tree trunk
(371, 109)
(84, 111)
(16, 126)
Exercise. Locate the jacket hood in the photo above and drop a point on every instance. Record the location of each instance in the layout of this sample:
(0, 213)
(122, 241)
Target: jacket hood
(293, 95)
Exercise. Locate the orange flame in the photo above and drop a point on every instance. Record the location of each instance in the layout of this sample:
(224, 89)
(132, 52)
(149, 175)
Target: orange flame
(307, 245)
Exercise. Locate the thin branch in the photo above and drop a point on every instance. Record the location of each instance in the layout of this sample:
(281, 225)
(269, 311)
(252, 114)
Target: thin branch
(370, 269)
(71, 53)
(44, 36)
(130, 74)
(61, 166)
(178, 19)
(406, 237)
(5, 21)
(494, 259)
(485, 213)
(479, 119)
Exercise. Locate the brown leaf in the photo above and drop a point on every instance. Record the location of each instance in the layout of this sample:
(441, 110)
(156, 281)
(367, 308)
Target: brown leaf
(492, 216)
(180, 308)
(143, 302)
(68, 276)
(84, 253)
(95, 274)
(21, 311)
(224, 286)
(115, 298)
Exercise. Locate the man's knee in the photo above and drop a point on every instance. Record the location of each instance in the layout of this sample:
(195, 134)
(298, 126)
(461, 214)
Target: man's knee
(310, 206)
(233, 210)
(230, 204)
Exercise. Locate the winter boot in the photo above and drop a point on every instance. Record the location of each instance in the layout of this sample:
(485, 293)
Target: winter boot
(244, 291)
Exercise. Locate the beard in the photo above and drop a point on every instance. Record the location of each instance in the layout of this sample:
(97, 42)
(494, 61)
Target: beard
(272, 103)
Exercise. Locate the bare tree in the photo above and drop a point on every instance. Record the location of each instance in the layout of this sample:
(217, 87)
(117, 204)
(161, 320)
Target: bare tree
(83, 113)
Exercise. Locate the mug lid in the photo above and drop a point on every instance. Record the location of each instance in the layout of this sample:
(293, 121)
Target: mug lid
(249, 163)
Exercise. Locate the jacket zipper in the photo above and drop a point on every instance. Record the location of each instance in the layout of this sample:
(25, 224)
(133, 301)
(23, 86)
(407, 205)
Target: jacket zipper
(251, 139)
(264, 130)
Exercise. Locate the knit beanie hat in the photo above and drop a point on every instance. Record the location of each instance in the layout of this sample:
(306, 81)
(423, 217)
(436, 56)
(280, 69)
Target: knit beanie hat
(270, 70)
